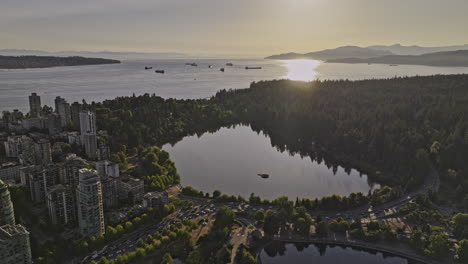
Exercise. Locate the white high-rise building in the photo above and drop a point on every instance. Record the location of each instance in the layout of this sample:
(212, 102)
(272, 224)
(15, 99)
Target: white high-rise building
(90, 204)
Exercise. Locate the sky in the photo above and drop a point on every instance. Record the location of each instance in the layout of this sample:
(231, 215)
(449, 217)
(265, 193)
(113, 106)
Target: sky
(228, 27)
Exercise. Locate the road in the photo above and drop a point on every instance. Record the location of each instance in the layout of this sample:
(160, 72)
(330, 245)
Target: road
(128, 242)
(205, 207)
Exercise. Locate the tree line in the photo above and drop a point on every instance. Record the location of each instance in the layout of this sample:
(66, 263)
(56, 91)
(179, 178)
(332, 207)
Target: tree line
(393, 130)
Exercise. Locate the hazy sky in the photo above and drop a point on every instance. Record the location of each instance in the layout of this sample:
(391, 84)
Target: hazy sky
(230, 27)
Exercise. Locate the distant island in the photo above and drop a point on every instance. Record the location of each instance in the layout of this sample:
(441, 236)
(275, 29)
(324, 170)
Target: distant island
(129, 55)
(454, 56)
(331, 54)
(24, 62)
(450, 58)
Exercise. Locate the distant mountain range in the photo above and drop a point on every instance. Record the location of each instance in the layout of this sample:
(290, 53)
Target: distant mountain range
(104, 54)
(448, 58)
(398, 49)
(394, 54)
(331, 54)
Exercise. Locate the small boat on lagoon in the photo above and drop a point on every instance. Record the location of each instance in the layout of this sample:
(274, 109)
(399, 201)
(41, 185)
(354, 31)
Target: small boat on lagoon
(264, 175)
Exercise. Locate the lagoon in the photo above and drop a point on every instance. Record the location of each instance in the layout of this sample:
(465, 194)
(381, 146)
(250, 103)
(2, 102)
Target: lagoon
(230, 159)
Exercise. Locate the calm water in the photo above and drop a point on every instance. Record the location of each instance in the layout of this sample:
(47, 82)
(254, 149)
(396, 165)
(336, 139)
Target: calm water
(230, 159)
(102, 82)
(326, 255)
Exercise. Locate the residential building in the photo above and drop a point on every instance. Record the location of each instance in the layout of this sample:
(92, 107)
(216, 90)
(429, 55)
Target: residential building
(26, 171)
(39, 181)
(155, 199)
(7, 214)
(10, 171)
(90, 204)
(12, 120)
(54, 124)
(110, 195)
(88, 133)
(130, 189)
(103, 152)
(42, 151)
(13, 146)
(15, 247)
(35, 108)
(33, 122)
(63, 109)
(21, 147)
(87, 122)
(107, 168)
(73, 137)
(90, 144)
(72, 166)
(75, 110)
(61, 204)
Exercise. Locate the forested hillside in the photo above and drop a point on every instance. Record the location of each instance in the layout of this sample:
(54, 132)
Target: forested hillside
(393, 129)
(395, 126)
(23, 62)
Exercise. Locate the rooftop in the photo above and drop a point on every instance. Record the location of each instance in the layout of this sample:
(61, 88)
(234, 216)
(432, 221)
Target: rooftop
(8, 164)
(150, 195)
(8, 231)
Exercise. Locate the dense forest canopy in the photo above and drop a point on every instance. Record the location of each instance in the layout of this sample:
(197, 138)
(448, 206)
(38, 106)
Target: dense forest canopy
(393, 129)
(23, 62)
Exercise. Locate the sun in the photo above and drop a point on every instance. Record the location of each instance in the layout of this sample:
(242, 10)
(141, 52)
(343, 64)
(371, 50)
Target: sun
(302, 70)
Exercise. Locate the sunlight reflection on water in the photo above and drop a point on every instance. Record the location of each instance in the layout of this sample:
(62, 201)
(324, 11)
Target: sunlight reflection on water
(302, 70)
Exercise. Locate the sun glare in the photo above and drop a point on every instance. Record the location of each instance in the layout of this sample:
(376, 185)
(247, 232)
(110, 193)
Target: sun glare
(302, 70)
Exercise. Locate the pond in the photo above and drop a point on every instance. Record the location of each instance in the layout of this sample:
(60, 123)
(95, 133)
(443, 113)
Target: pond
(230, 160)
(325, 254)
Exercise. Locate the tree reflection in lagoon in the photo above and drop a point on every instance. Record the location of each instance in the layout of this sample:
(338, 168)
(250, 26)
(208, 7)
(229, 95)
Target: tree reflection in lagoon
(302, 253)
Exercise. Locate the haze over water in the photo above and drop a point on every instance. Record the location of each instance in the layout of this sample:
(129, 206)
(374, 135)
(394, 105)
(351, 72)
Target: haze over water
(101, 82)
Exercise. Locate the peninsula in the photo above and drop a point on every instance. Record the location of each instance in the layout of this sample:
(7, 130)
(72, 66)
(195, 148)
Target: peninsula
(24, 62)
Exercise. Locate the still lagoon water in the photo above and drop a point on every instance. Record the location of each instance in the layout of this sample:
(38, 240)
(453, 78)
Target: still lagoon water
(230, 159)
(325, 254)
